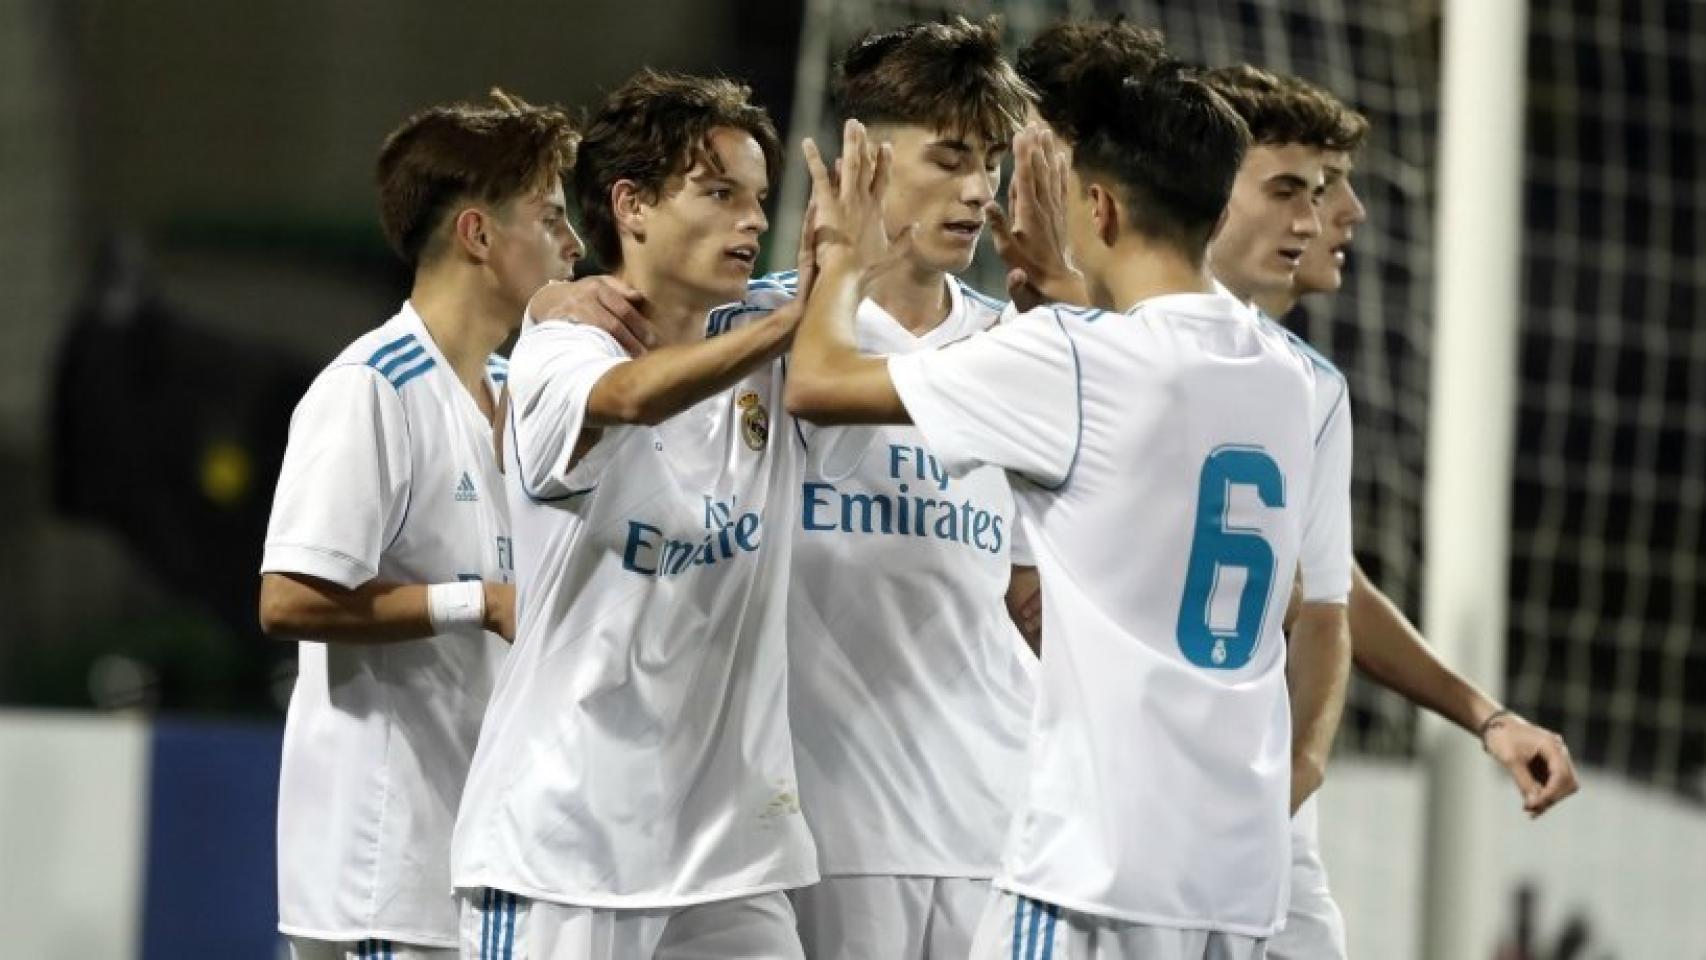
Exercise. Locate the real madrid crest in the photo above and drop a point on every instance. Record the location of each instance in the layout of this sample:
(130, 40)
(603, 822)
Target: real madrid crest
(754, 419)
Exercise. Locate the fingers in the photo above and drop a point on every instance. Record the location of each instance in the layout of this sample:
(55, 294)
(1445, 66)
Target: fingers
(854, 171)
(821, 184)
(1038, 169)
(1020, 291)
(808, 226)
(626, 323)
(1019, 188)
(1060, 165)
(1032, 606)
(1000, 228)
(1526, 784)
(880, 177)
(1559, 774)
(622, 289)
(806, 257)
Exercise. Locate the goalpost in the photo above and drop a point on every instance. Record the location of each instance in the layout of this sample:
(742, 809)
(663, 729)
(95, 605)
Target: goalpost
(1470, 447)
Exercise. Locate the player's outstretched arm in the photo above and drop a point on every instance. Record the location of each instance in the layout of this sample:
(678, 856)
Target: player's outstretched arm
(662, 381)
(1317, 667)
(829, 380)
(299, 607)
(652, 388)
(1394, 654)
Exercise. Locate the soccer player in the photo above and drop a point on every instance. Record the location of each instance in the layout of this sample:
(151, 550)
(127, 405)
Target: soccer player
(633, 793)
(910, 690)
(388, 551)
(1058, 63)
(1385, 645)
(1171, 476)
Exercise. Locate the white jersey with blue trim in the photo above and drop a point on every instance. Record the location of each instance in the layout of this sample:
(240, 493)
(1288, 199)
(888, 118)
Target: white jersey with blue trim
(1325, 560)
(389, 474)
(1325, 557)
(909, 687)
(1169, 466)
(636, 753)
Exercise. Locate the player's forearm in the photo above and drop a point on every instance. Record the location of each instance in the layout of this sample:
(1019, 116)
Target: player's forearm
(1393, 653)
(829, 380)
(1317, 669)
(296, 607)
(668, 380)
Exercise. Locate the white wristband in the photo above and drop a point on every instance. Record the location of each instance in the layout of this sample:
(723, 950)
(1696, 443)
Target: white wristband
(458, 607)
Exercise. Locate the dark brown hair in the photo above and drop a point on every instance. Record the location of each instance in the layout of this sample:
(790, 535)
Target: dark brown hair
(1286, 110)
(950, 76)
(461, 152)
(1171, 146)
(651, 130)
(1073, 55)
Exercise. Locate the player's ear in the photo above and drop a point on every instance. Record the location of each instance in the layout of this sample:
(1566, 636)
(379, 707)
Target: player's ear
(472, 230)
(628, 209)
(1104, 213)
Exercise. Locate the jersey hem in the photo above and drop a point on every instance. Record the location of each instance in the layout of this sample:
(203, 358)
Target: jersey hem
(349, 936)
(637, 901)
(941, 873)
(1147, 919)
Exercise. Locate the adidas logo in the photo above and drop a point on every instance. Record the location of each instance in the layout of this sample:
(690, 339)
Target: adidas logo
(465, 492)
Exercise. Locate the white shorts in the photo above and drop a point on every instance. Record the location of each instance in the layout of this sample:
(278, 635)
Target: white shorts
(889, 918)
(503, 926)
(302, 948)
(1015, 926)
(1314, 927)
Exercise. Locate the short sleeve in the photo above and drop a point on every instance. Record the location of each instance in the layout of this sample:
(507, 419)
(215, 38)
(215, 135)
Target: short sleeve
(1008, 398)
(343, 488)
(1326, 550)
(552, 371)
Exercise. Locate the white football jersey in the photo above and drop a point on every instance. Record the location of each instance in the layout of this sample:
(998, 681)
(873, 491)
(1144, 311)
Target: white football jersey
(909, 688)
(636, 753)
(1170, 462)
(1324, 561)
(389, 474)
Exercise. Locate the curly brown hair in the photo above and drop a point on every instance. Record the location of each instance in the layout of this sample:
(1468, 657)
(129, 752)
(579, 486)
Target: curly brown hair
(950, 76)
(1075, 56)
(1284, 110)
(652, 130)
(460, 152)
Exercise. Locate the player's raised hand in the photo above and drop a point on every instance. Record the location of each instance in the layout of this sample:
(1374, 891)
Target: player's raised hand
(1030, 237)
(603, 302)
(1536, 759)
(849, 202)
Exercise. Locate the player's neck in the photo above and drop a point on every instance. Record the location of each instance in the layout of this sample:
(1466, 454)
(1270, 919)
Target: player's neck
(1275, 305)
(1141, 272)
(465, 321)
(676, 311)
(916, 297)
